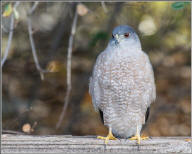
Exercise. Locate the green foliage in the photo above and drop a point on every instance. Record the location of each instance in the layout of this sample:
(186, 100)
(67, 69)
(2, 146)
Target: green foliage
(7, 6)
(179, 5)
(8, 10)
(98, 36)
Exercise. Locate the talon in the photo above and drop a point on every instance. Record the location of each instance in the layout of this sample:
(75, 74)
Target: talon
(188, 140)
(139, 138)
(101, 137)
(108, 137)
(144, 137)
(133, 138)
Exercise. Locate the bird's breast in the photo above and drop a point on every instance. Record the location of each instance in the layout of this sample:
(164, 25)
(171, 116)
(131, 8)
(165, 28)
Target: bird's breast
(120, 70)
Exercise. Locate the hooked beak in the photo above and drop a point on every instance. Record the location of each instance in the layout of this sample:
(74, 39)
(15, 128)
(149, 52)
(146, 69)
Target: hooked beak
(117, 38)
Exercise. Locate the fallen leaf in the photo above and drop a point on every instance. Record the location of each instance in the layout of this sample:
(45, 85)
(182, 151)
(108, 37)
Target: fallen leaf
(26, 128)
(82, 9)
(55, 66)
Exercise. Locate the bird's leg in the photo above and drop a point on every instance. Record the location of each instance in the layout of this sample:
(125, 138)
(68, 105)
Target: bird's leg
(109, 137)
(138, 137)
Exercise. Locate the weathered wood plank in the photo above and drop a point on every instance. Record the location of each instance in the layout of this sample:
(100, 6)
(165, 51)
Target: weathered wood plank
(82, 144)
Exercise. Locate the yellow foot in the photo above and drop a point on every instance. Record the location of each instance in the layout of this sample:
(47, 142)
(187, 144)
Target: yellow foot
(139, 138)
(109, 137)
(188, 140)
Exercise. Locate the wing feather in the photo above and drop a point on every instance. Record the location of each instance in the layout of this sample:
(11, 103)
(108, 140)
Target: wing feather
(94, 88)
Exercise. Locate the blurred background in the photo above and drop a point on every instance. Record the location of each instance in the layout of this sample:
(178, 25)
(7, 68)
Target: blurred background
(31, 105)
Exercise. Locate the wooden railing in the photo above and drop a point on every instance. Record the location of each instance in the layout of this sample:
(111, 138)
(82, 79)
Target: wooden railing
(90, 144)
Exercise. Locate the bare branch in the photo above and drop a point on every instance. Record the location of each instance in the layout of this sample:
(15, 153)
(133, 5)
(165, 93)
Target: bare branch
(4, 29)
(104, 6)
(33, 8)
(30, 31)
(69, 55)
(11, 28)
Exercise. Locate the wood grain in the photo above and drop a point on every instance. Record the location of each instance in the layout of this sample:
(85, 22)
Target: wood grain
(89, 144)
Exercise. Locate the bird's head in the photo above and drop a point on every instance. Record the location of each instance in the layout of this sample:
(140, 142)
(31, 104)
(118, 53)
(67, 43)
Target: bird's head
(124, 35)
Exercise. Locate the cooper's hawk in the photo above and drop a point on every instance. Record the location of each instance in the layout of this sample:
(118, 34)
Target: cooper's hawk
(122, 85)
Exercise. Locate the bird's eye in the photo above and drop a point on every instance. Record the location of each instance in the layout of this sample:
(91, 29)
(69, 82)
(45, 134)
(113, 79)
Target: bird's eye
(126, 34)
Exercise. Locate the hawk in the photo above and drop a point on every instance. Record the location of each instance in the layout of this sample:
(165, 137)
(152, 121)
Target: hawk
(122, 85)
